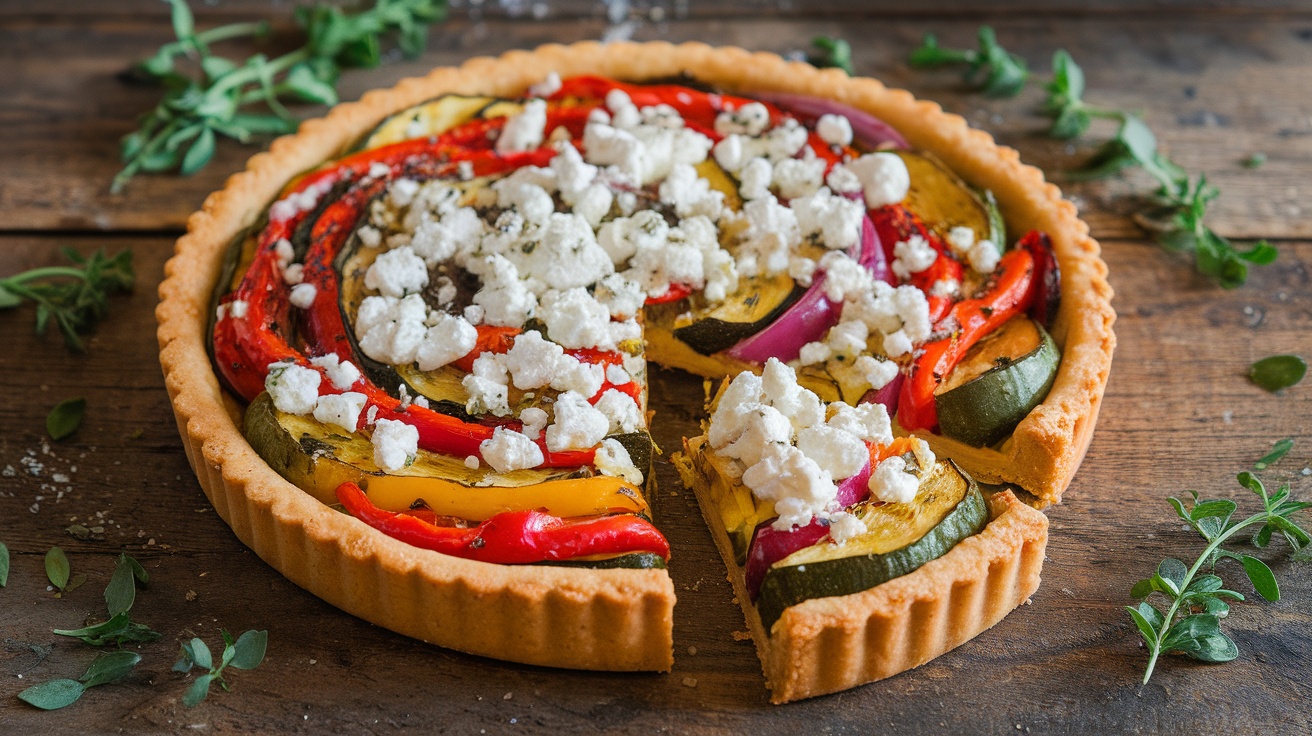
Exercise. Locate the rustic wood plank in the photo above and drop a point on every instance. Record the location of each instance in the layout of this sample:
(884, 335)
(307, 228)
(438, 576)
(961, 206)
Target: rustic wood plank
(1178, 414)
(1215, 88)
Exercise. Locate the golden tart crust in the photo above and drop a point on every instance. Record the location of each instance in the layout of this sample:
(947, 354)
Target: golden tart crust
(572, 617)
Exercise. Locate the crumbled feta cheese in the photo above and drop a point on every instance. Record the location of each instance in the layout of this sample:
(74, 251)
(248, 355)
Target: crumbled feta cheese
(401, 192)
(836, 130)
(486, 386)
(578, 425)
(837, 452)
(397, 273)
(613, 459)
(509, 450)
(621, 410)
(302, 296)
(780, 388)
(784, 141)
(341, 409)
(945, 288)
(530, 200)
(534, 420)
(620, 295)
(911, 256)
(741, 396)
(457, 231)
(609, 146)
(984, 256)
(369, 236)
(524, 132)
(883, 176)
(566, 254)
(960, 239)
(841, 180)
(729, 153)
(574, 319)
(342, 373)
(391, 330)
(472, 461)
(237, 308)
(617, 376)
(835, 219)
(754, 179)
(844, 526)
(594, 203)
(293, 274)
(623, 237)
(844, 277)
(796, 484)
(868, 422)
(770, 234)
(878, 373)
(503, 298)
(293, 388)
(848, 338)
(690, 194)
(396, 444)
(447, 339)
(798, 177)
(751, 119)
(572, 374)
(547, 87)
(532, 360)
(890, 482)
(897, 344)
(813, 353)
(763, 427)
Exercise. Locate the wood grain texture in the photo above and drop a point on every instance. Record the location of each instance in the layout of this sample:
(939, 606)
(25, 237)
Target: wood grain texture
(1178, 414)
(1216, 88)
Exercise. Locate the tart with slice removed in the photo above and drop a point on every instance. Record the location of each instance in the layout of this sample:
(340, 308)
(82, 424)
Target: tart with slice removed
(407, 353)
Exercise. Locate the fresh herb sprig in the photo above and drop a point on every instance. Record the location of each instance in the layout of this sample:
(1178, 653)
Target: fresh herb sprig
(106, 668)
(4, 565)
(74, 296)
(996, 71)
(1190, 625)
(1181, 200)
(120, 594)
(213, 100)
(245, 653)
(831, 52)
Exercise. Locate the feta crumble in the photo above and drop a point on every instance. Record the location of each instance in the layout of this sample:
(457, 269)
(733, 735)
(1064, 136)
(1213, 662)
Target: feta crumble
(341, 409)
(509, 450)
(293, 388)
(396, 444)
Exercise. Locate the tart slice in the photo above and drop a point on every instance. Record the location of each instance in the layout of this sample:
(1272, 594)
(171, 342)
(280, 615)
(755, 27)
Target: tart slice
(854, 555)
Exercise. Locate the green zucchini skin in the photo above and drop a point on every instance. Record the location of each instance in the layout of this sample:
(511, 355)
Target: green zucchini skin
(985, 410)
(634, 561)
(708, 335)
(789, 585)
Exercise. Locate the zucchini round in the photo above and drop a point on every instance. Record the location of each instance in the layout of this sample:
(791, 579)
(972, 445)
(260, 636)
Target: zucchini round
(999, 382)
(756, 304)
(826, 569)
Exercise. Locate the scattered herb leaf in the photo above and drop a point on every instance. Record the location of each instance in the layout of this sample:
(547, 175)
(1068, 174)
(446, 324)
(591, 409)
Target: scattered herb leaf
(106, 668)
(1255, 161)
(831, 52)
(996, 71)
(57, 567)
(65, 418)
(1278, 372)
(122, 589)
(119, 629)
(244, 653)
(1278, 450)
(199, 106)
(4, 565)
(1071, 116)
(75, 296)
(1191, 623)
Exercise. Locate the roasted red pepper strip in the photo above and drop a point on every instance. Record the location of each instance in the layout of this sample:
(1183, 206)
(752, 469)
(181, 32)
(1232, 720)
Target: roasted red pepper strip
(895, 223)
(491, 339)
(1009, 293)
(516, 537)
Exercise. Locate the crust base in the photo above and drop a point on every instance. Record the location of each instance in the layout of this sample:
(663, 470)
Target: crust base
(825, 645)
(599, 619)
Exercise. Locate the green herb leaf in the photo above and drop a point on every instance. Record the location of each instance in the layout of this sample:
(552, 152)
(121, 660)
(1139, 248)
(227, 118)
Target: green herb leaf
(1174, 572)
(1278, 372)
(1255, 161)
(997, 72)
(198, 690)
(248, 652)
(122, 589)
(4, 565)
(109, 667)
(1145, 627)
(1278, 450)
(1214, 647)
(119, 629)
(832, 52)
(53, 694)
(65, 418)
(57, 567)
(200, 152)
(199, 653)
(1263, 580)
(1142, 589)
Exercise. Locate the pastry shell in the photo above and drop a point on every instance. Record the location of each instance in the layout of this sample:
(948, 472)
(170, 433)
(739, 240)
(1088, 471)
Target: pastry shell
(572, 617)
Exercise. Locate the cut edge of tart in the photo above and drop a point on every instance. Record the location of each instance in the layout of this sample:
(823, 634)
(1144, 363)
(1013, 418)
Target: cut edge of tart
(611, 619)
(830, 643)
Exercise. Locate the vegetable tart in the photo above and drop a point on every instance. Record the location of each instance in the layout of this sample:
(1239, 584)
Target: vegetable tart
(407, 351)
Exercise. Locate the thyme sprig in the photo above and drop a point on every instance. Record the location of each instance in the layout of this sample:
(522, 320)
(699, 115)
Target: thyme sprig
(213, 96)
(74, 296)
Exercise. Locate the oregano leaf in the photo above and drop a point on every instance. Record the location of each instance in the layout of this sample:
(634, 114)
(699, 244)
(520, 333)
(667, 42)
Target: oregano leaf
(57, 567)
(65, 418)
(53, 694)
(1263, 580)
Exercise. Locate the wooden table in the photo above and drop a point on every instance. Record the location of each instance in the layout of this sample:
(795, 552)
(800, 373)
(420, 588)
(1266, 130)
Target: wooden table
(1216, 83)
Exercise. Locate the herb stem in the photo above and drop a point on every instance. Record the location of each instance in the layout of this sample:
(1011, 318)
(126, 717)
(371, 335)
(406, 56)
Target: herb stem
(1169, 619)
(233, 30)
(43, 273)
